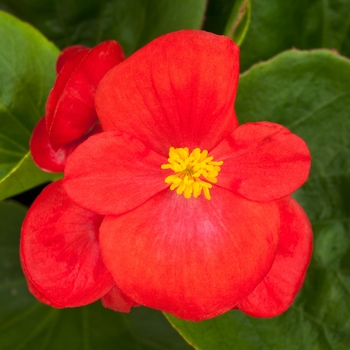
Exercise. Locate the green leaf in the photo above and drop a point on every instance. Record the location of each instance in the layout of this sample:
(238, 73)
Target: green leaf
(27, 324)
(27, 73)
(23, 176)
(238, 22)
(309, 92)
(132, 23)
(279, 25)
(152, 328)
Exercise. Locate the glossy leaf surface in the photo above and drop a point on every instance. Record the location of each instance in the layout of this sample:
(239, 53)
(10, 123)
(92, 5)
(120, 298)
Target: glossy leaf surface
(27, 73)
(278, 25)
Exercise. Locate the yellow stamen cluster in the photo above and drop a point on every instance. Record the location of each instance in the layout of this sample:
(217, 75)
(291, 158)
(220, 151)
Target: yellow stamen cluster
(191, 169)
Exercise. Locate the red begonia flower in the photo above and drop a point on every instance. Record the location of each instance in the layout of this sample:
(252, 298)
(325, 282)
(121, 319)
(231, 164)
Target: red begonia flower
(70, 112)
(60, 254)
(191, 200)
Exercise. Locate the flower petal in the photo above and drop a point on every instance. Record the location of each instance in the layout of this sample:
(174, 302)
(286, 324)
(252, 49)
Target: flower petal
(44, 156)
(116, 300)
(278, 289)
(58, 89)
(262, 161)
(177, 91)
(112, 173)
(70, 110)
(193, 258)
(40, 296)
(60, 251)
(67, 54)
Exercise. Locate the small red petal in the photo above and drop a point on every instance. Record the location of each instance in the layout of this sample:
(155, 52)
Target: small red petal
(67, 53)
(44, 156)
(116, 300)
(59, 250)
(193, 258)
(278, 289)
(70, 110)
(112, 173)
(262, 161)
(177, 91)
(63, 78)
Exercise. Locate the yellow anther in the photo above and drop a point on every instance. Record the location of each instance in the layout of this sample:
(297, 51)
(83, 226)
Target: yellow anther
(194, 172)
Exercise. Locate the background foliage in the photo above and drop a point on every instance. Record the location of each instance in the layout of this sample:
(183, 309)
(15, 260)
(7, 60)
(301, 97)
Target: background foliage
(309, 92)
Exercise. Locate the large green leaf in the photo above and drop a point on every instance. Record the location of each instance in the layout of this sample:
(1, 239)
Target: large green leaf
(131, 22)
(309, 92)
(278, 25)
(23, 176)
(28, 324)
(27, 73)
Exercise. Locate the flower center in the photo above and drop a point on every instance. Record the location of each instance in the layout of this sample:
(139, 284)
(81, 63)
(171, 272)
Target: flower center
(193, 172)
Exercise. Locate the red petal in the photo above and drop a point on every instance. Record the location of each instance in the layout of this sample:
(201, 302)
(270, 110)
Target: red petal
(63, 78)
(60, 251)
(176, 91)
(111, 173)
(70, 110)
(116, 300)
(67, 53)
(278, 289)
(262, 161)
(44, 156)
(193, 258)
(40, 296)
